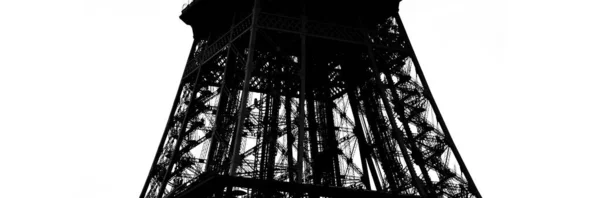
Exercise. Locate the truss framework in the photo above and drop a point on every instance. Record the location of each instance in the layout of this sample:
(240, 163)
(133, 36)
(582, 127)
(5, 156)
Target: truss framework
(257, 110)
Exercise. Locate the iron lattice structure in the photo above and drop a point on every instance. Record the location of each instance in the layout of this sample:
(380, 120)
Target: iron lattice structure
(304, 99)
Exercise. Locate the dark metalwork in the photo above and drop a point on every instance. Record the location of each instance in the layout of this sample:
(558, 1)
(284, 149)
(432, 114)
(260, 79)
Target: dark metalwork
(301, 99)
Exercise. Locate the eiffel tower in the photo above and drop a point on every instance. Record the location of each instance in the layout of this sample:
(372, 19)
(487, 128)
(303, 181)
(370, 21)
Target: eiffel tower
(304, 99)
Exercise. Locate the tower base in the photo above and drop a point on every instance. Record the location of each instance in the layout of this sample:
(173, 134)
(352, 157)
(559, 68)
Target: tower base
(228, 186)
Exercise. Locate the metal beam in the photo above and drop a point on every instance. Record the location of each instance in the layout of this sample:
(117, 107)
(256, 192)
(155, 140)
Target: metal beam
(169, 124)
(180, 135)
(397, 134)
(242, 109)
(405, 123)
(302, 73)
(230, 67)
(208, 186)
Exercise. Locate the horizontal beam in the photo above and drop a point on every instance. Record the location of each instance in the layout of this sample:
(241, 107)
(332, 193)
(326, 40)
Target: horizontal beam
(287, 24)
(320, 30)
(215, 183)
(225, 40)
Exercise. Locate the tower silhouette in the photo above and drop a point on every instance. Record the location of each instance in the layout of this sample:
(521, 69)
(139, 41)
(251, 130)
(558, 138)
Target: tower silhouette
(304, 99)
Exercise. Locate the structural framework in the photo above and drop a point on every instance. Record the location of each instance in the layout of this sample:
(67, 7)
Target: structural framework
(304, 99)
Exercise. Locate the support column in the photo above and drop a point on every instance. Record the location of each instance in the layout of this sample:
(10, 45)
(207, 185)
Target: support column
(374, 122)
(273, 132)
(302, 73)
(312, 135)
(242, 112)
(290, 137)
(230, 67)
(264, 146)
(417, 155)
(364, 148)
(332, 141)
(397, 134)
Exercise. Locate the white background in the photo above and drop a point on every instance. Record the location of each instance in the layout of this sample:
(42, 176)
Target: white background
(86, 88)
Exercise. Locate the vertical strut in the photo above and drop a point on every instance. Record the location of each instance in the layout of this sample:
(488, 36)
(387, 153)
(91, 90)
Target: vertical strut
(312, 133)
(242, 112)
(264, 152)
(332, 143)
(290, 137)
(273, 133)
(224, 96)
(364, 148)
(398, 135)
(302, 73)
(417, 155)
(436, 110)
(374, 124)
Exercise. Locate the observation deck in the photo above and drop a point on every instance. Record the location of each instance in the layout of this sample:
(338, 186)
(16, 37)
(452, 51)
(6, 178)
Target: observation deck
(210, 16)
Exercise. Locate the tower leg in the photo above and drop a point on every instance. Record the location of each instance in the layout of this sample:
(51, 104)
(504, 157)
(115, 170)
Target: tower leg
(169, 123)
(383, 148)
(436, 110)
(397, 134)
(417, 155)
(180, 134)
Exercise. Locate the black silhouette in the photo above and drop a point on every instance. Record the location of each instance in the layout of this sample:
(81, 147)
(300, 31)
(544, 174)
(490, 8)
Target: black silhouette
(304, 98)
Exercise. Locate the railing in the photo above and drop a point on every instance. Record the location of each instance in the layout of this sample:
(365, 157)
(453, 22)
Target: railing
(331, 31)
(313, 28)
(207, 53)
(292, 25)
